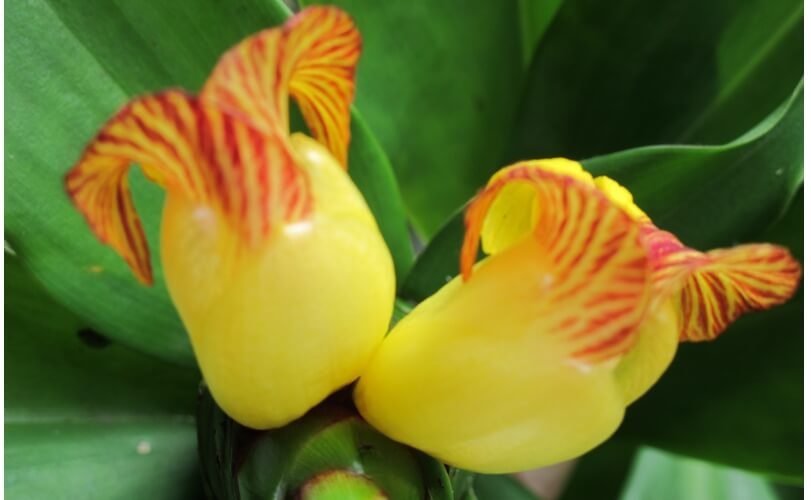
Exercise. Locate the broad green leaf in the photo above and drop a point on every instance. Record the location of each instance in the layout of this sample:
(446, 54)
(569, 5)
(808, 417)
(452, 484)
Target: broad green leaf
(745, 185)
(439, 84)
(609, 76)
(735, 190)
(87, 419)
(535, 15)
(787, 492)
(737, 400)
(663, 476)
(72, 65)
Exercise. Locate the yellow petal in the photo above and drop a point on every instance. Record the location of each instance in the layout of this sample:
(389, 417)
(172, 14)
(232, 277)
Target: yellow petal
(514, 368)
(620, 196)
(270, 253)
(278, 327)
(515, 212)
(644, 364)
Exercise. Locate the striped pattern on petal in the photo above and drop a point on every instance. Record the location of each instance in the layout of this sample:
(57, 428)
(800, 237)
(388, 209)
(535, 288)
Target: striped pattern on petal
(713, 289)
(599, 282)
(312, 58)
(193, 150)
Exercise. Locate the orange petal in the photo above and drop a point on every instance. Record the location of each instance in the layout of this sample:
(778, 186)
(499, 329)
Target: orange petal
(312, 57)
(598, 288)
(195, 151)
(713, 289)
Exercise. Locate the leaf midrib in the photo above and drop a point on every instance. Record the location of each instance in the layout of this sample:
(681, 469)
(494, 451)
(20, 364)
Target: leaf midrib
(743, 72)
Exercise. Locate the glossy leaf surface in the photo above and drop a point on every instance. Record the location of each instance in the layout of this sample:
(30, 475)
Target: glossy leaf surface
(85, 418)
(609, 76)
(440, 84)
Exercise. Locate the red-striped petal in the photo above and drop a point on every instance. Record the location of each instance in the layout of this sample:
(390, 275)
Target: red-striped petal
(599, 271)
(312, 58)
(713, 289)
(193, 150)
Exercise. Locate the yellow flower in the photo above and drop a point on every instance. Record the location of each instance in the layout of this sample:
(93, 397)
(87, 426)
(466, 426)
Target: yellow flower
(531, 357)
(270, 254)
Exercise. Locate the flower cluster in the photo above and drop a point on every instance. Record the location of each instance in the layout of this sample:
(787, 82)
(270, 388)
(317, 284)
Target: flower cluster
(285, 285)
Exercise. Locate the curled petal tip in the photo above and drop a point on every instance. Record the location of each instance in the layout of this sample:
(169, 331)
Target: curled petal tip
(598, 264)
(732, 282)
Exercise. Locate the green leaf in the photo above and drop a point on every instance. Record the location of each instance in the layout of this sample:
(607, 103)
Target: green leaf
(737, 400)
(535, 18)
(217, 442)
(663, 476)
(609, 76)
(499, 487)
(439, 84)
(602, 472)
(745, 185)
(74, 65)
(438, 263)
(85, 418)
(370, 169)
(461, 482)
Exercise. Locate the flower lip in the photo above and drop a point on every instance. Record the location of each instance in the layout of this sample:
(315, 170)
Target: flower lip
(228, 148)
(597, 267)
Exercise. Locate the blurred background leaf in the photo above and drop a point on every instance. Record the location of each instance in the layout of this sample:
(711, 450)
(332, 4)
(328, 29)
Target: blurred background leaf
(746, 184)
(663, 476)
(85, 418)
(602, 472)
(500, 487)
(439, 83)
(75, 64)
(609, 76)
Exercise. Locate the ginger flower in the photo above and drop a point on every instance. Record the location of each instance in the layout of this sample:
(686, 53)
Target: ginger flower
(270, 254)
(531, 356)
